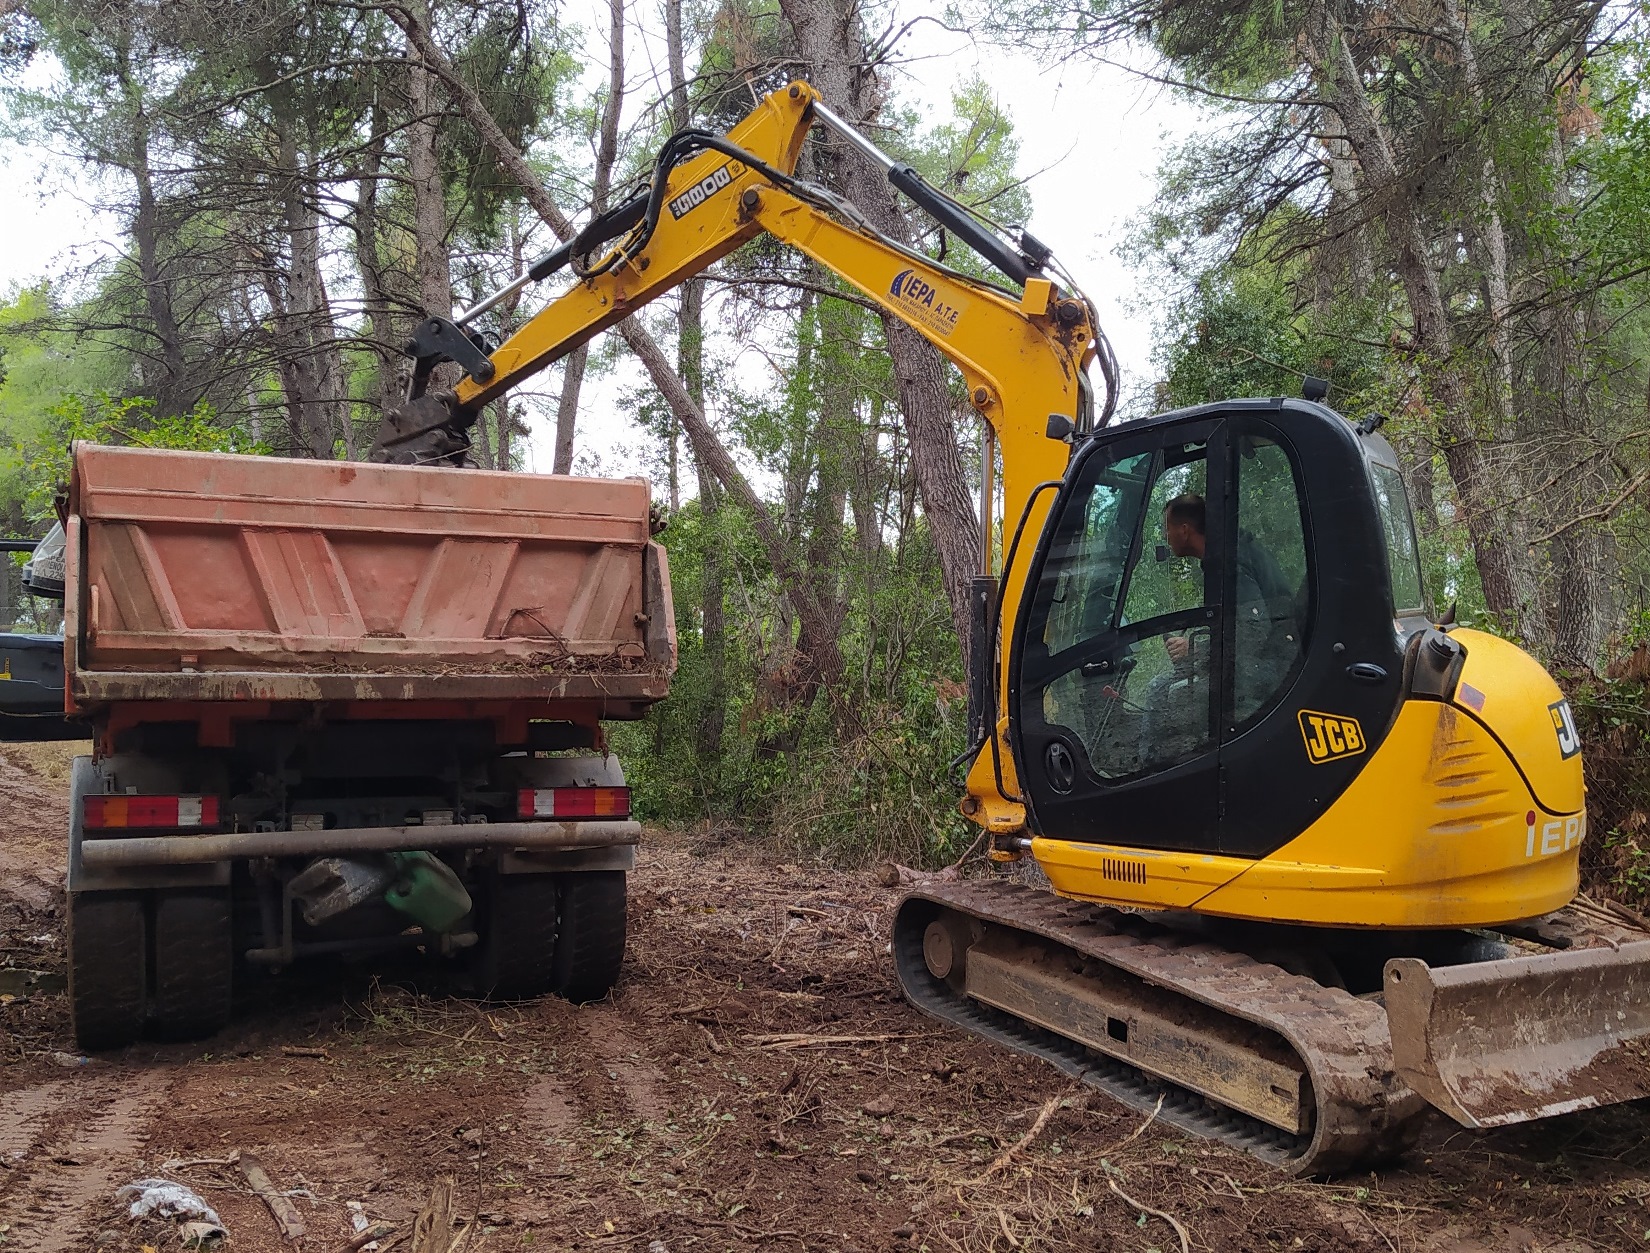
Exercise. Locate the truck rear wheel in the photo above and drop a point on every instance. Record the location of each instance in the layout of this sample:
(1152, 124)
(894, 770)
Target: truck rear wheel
(194, 963)
(519, 948)
(107, 960)
(590, 948)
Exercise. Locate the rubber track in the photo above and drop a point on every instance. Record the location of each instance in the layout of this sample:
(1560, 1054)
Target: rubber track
(1363, 1113)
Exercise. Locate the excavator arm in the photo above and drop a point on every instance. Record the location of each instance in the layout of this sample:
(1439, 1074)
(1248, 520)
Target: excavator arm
(1023, 356)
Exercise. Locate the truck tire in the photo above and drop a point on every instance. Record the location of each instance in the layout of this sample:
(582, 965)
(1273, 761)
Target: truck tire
(194, 963)
(590, 948)
(108, 954)
(518, 949)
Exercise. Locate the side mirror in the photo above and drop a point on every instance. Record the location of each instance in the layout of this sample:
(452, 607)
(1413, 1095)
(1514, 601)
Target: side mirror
(1163, 553)
(1061, 427)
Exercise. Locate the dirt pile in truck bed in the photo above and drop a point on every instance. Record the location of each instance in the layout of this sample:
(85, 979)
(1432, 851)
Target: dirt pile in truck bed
(755, 1083)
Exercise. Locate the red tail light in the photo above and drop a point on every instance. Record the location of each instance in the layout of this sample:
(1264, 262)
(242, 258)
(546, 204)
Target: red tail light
(106, 812)
(573, 802)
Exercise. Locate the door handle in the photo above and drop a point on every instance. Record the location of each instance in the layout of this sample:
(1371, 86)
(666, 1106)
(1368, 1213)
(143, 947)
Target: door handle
(1091, 668)
(1366, 672)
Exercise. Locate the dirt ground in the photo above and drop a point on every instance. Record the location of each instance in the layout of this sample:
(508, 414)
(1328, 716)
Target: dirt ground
(755, 1082)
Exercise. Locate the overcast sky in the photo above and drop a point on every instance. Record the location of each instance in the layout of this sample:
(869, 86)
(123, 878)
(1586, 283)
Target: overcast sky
(1091, 140)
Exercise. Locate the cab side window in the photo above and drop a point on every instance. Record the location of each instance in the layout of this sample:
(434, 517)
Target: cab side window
(1128, 643)
(1272, 596)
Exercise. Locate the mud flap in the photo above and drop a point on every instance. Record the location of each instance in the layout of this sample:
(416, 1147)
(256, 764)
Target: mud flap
(1509, 1041)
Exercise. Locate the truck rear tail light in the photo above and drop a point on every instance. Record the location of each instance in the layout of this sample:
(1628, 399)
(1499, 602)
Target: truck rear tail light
(108, 812)
(574, 802)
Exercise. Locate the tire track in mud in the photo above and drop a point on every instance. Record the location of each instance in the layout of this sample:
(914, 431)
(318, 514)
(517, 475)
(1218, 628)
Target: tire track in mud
(613, 1081)
(67, 1182)
(621, 1059)
(24, 1115)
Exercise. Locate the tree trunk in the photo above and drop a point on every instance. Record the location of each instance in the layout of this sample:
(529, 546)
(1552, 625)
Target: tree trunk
(690, 364)
(567, 408)
(1498, 535)
(702, 438)
(388, 385)
(168, 381)
(607, 152)
(435, 282)
(324, 412)
(830, 40)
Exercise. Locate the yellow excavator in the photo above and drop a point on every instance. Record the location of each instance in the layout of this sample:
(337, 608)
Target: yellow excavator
(1312, 854)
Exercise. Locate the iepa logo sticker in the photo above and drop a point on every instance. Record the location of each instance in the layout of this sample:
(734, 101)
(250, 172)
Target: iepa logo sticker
(921, 302)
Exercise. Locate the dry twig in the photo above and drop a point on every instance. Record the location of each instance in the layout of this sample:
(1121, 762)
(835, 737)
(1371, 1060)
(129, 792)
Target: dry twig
(1008, 1155)
(285, 1212)
(800, 1040)
(1379, 1232)
(1136, 1133)
(1002, 1221)
(1179, 1230)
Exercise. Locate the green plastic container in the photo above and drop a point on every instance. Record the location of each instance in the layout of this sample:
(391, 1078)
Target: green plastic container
(427, 891)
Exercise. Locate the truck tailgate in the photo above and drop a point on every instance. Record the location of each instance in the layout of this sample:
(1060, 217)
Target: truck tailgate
(210, 576)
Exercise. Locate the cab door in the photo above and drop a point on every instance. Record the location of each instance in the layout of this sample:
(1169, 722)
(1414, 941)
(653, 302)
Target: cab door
(1314, 655)
(1119, 651)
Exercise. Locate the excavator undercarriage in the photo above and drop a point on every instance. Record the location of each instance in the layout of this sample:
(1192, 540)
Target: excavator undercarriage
(1212, 1032)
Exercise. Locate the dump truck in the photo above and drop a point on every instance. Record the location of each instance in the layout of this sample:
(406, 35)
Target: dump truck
(346, 709)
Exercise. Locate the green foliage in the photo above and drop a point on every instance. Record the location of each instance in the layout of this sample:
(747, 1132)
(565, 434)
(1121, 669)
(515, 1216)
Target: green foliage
(1242, 331)
(970, 157)
(1613, 716)
(40, 367)
(868, 776)
(42, 458)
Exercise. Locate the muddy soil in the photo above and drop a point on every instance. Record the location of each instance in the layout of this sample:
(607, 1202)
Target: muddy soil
(755, 1082)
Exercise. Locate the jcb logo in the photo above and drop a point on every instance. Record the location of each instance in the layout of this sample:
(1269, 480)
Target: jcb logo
(1329, 737)
(1564, 725)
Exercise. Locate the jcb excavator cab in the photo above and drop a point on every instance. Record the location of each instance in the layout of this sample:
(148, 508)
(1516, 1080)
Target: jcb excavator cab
(1214, 670)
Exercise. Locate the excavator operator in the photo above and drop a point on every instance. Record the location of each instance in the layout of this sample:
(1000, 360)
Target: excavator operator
(1269, 610)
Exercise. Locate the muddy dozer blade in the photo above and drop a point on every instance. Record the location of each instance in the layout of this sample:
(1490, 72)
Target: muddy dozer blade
(1508, 1041)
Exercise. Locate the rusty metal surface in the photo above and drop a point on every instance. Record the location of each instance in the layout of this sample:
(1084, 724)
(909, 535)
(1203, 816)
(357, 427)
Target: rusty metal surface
(1361, 1111)
(1522, 1038)
(615, 693)
(183, 850)
(217, 574)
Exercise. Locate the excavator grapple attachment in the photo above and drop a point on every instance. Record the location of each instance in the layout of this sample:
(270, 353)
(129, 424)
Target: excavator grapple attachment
(1508, 1041)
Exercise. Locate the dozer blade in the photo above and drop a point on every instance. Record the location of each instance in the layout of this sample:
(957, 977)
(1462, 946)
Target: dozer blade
(1509, 1041)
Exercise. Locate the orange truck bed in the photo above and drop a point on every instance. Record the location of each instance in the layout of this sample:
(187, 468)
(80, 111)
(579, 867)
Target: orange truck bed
(208, 578)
